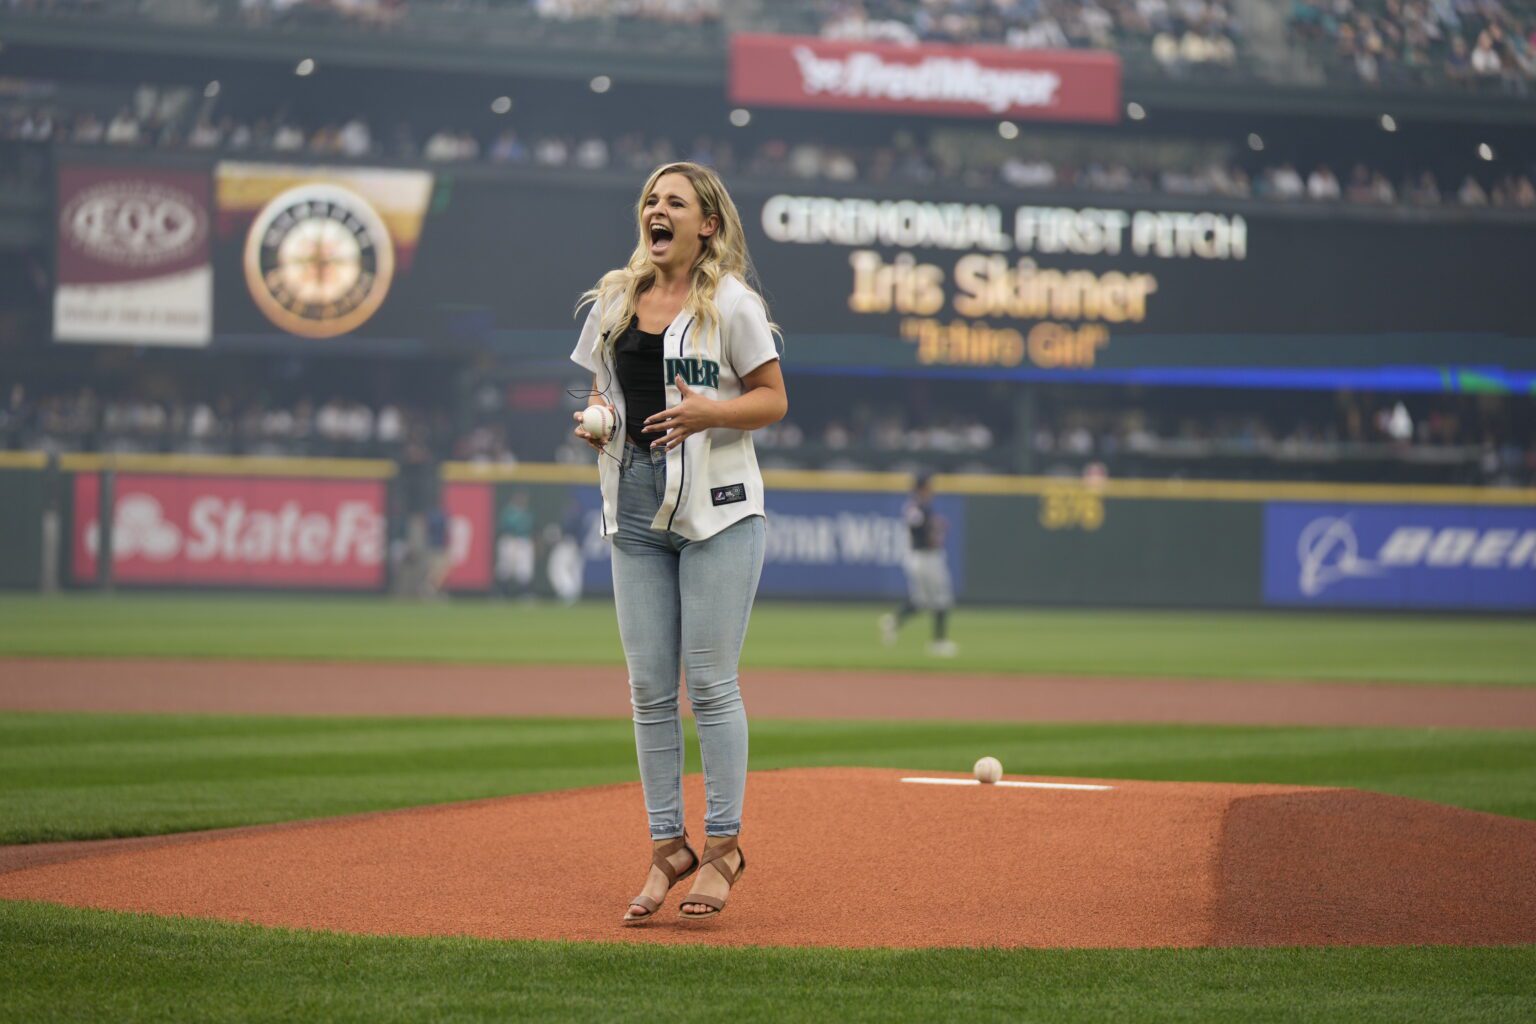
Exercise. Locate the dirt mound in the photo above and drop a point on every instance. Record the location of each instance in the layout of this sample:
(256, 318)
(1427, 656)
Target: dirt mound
(1342, 867)
(856, 857)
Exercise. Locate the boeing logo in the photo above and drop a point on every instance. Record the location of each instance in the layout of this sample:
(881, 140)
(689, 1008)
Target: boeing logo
(1328, 551)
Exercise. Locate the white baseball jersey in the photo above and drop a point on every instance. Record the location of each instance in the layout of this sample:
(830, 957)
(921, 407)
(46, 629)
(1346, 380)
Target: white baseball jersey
(712, 477)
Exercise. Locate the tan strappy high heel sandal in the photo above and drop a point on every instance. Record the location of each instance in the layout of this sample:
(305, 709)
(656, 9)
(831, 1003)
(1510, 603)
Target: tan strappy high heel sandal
(659, 857)
(713, 855)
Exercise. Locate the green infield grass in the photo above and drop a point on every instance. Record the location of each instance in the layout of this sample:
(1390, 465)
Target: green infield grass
(1312, 646)
(63, 964)
(68, 776)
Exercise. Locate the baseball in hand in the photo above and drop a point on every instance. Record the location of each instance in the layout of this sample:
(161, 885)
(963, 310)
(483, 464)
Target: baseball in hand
(597, 420)
(988, 770)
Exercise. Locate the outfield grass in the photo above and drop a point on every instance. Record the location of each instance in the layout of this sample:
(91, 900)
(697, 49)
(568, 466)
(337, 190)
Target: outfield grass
(1405, 649)
(66, 776)
(63, 964)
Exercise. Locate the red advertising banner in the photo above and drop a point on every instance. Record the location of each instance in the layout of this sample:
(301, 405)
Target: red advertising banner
(235, 531)
(134, 260)
(470, 524)
(963, 81)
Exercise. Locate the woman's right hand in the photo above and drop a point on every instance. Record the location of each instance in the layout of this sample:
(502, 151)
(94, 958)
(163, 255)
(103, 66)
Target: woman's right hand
(597, 444)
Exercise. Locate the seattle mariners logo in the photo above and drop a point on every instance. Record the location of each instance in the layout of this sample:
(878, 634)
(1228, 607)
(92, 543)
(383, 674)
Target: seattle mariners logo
(319, 260)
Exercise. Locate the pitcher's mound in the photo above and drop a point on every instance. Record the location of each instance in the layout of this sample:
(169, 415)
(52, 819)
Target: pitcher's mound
(856, 857)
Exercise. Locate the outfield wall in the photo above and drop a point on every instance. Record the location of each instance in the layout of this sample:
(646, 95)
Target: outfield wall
(23, 501)
(335, 525)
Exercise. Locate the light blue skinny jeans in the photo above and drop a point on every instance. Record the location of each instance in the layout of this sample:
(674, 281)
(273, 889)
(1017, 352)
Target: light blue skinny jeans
(683, 607)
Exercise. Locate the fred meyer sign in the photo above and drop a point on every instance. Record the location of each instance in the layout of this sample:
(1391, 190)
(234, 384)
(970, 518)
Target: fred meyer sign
(954, 81)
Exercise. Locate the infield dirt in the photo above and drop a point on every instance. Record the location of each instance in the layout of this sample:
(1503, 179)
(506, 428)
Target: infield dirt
(856, 857)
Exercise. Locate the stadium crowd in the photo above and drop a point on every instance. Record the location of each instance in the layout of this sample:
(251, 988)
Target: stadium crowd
(88, 420)
(1478, 44)
(1425, 438)
(1486, 44)
(1181, 35)
(1271, 435)
(904, 160)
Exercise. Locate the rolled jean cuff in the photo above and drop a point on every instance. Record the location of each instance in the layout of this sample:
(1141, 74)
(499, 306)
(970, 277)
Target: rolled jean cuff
(666, 831)
(730, 828)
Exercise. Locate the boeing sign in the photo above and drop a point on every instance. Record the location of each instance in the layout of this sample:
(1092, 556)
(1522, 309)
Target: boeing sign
(1400, 556)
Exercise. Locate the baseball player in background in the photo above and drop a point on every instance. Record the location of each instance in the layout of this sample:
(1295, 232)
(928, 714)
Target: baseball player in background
(928, 586)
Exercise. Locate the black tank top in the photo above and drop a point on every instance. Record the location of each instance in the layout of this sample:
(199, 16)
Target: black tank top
(640, 358)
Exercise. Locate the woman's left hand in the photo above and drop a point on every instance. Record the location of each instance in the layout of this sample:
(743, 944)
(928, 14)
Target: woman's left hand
(693, 414)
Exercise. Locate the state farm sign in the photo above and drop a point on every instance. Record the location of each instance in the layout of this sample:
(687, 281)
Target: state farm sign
(235, 531)
(965, 81)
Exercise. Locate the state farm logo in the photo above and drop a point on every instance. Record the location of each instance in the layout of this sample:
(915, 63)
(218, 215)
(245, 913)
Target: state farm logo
(228, 530)
(139, 529)
(930, 80)
(134, 223)
(1328, 550)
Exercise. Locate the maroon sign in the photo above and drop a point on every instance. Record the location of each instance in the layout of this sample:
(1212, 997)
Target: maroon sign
(134, 260)
(233, 531)
(469, 535)
(964, 81)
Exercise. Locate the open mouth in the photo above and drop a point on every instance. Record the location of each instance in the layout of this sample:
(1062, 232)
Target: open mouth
(661, 237)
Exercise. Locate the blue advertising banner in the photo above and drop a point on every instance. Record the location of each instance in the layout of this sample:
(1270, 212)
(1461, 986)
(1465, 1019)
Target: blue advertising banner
(820, 544)
(1400, 556)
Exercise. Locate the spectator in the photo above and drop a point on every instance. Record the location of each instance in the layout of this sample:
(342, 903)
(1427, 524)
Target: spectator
(442, 146)
(1322, 185)
(205, 135)
(509, 149)
(1285, 183)
(354, 139)
(592, 154)
(1485, 59)
(551, 152)
(1360, 188)
(287, 138)
(123, 130)
(1426, 192)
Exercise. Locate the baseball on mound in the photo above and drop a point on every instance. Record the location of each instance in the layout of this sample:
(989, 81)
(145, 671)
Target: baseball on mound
(597, 420)
(988, 769)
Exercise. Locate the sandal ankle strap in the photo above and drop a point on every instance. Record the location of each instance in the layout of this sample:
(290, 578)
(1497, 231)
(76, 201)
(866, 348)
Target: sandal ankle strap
(660, 861)
(715, 855)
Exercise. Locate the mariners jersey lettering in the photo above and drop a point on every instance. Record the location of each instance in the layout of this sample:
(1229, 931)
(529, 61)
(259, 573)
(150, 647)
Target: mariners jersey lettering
(696, 373)
(713, 478)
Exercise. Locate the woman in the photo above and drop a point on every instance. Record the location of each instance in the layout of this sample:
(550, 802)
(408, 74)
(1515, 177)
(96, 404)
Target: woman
(682, 352)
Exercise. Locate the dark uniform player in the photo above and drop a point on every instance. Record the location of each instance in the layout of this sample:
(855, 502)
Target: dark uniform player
(928, 586)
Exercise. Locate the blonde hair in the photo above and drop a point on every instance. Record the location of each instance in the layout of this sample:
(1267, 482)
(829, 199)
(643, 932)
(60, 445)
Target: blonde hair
(724, 252)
